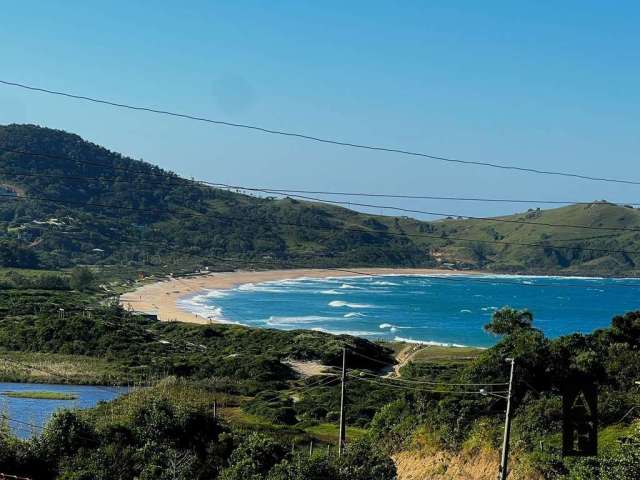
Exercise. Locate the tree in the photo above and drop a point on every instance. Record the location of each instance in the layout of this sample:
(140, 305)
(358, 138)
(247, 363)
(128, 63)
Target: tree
(67, 433)
(254, 457)
(301, 467)
(81, 279)
(507, 321)
(364, 460)
(481, 252)
(12, 254)
(627, 327)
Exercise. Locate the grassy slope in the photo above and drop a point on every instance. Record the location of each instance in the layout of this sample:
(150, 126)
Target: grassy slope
(37, 367)
(527, 259)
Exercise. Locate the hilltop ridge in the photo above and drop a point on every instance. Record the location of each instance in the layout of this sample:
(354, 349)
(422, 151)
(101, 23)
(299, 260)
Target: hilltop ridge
(84, 204)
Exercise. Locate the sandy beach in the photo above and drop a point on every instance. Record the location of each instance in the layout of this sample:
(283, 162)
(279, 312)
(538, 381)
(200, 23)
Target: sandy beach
(161, 298)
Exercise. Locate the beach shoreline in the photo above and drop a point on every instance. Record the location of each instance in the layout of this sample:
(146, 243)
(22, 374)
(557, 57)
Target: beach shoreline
(163, 298)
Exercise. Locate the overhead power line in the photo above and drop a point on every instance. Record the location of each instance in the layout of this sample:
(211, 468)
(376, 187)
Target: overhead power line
(416, 382)
(321, 227)
(425, 382)
(156, 211)
(53, 373)
(181, 181)
(316, 138)
(21, 422)
(353, 376)
(460, 216)
(204, 184)
(283, 191)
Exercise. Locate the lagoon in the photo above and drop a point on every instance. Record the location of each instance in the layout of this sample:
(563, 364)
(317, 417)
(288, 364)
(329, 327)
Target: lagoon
(27, 416)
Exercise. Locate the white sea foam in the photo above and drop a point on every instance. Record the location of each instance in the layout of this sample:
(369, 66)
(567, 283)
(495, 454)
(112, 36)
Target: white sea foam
(199, 305)
(210, 294)
(381, 282)
(215, 313)
(203, 310)
(340, 303)
(331, 292)
(353, 333)
(465, 310)
(346, 286)
(430, 342)
(353, 315)
(390, 326)
(297, 281)
(282, 321)
(252, 287)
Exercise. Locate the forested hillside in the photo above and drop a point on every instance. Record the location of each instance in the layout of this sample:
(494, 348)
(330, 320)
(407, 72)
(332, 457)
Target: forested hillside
(66, 201)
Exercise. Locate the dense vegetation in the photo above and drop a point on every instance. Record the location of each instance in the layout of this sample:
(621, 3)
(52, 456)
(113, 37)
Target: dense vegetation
(167, 429)
(169, 432)
(115, 210)
(142, 347)
(610, 357)
(70, 202)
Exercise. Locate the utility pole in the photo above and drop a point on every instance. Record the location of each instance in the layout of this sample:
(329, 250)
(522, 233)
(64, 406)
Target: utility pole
(502, 475)
(341, 439)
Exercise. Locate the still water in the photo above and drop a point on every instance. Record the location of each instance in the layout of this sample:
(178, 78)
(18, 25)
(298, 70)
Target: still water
(27, 416)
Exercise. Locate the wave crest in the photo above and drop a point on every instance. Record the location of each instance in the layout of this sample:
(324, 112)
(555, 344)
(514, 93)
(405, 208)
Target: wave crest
(340, 304)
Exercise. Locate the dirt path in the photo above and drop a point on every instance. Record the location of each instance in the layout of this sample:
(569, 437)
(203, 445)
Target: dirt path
(404, 356)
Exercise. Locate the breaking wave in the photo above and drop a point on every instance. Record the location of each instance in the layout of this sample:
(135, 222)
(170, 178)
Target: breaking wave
(340, 303)
(275, 321)
(430, 342)
(353, 333)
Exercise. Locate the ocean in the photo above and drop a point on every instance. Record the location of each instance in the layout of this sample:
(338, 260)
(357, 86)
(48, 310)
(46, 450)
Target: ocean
(430, 309)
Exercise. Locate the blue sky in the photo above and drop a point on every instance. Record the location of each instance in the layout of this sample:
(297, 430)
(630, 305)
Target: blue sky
(551, 85)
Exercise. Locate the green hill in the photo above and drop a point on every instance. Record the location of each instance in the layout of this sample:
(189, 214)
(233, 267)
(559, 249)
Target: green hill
(83, 204)
(548, 241)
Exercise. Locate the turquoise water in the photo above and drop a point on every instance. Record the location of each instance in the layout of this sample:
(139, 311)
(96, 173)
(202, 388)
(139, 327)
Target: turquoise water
(27, 416)
(433, 309)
